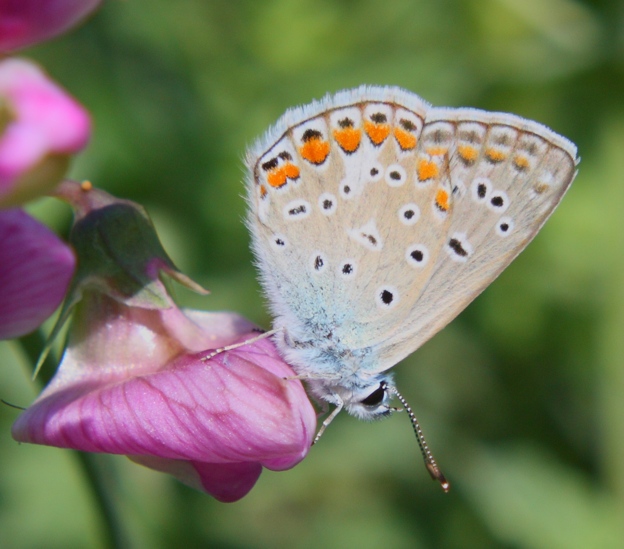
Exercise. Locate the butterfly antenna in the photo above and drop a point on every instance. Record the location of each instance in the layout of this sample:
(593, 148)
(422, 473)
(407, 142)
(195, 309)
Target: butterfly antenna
(430, 462)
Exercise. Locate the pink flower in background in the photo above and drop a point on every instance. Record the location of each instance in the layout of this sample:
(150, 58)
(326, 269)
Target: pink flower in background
(134, 379)
(35, 270)
(27, 22)
(41, 126)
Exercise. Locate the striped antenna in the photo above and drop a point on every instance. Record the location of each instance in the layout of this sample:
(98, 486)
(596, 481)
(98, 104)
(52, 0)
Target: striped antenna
(430, 462)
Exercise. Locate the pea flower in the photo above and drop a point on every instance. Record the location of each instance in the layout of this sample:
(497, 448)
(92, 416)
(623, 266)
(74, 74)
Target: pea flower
(26, 22)
(138, 376)
(40, 128)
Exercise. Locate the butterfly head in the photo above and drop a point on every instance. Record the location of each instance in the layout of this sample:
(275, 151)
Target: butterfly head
(372, 402)
(368, 400)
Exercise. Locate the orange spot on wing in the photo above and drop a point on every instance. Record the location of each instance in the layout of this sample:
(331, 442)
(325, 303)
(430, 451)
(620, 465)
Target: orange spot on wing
(495, 155)
(521, 162)
(315, 150)
(442, 200)
(376, 132)
(263, 191)
(437, 151)
(406, 140)
(427, 169)
(276, 178)
(348, 139)
(291, 171)
(468, 153)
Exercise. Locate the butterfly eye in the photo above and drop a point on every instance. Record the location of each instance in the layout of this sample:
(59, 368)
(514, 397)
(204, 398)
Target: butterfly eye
(376, 397)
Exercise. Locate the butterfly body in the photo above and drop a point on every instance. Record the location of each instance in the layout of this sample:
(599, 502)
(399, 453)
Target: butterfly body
(376, 219)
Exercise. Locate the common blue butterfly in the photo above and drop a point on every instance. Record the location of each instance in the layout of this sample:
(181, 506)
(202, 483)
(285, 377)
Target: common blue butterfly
(377, 218)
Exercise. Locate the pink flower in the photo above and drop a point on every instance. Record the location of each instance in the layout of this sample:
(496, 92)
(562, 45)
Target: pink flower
(135, 378)
(40, 128)
(35, 270)
(26, 22)
(213, 424)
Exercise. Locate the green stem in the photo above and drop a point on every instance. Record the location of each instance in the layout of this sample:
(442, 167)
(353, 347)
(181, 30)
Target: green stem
(104, 493)
(101, 482)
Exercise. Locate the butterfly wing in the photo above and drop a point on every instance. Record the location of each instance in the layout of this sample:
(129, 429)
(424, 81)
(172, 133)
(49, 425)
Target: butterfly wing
(507, 176)
(370, 225)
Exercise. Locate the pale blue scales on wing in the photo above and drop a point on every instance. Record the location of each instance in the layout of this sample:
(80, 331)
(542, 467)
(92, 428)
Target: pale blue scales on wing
(377, 218)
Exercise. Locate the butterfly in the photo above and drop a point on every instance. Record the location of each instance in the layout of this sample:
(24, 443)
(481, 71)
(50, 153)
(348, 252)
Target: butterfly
(376, 219)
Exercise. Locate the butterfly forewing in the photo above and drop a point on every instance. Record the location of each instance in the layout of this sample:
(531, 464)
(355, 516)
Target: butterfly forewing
(376, 219)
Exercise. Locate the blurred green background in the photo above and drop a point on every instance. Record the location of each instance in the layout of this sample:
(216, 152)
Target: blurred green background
(522, 397)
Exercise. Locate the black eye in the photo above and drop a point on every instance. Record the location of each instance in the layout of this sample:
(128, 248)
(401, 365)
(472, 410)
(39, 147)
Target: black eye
(375, 398)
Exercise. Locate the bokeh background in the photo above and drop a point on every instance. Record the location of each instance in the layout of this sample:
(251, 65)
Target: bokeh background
(522, 397)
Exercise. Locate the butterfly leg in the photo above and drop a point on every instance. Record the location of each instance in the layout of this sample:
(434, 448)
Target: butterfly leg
(327, 421)
(324, 406)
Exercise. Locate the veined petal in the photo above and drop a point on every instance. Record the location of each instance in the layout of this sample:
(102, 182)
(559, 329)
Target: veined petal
(232, 408)
(205, 421)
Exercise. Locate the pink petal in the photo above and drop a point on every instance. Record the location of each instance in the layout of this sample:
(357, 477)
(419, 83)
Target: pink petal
(35, 270)
(26, 22)
(45, 123)
(226, 482)
(235, 407)
(224, 418)
(111, 343)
